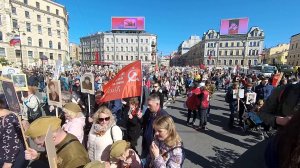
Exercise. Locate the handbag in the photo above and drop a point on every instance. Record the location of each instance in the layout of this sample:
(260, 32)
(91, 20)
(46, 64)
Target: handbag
(33, 115)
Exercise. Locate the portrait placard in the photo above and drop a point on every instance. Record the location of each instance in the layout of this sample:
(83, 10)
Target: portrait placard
(11, 96)
(54, 93)
(251, 98)
(50, 149)
(20, 82)
(87, 83)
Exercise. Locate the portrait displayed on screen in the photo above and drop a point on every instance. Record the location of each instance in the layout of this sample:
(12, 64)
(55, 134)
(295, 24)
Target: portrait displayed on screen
(233, 26)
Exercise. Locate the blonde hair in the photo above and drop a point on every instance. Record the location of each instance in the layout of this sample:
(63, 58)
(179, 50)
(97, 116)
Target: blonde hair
(167, 123)
(32, 89)
(107, 111)
(73, 114)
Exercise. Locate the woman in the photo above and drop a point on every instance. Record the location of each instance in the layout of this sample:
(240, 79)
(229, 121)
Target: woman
(192, 102)
(53, 95)
(31, 110)
(103, 134)
(167, 148)
(75, 120)
(123, 157)
(12, 148)
(133, 123)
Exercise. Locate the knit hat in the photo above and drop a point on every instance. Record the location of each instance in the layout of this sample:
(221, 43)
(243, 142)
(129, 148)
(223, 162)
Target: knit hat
(118, 148)
(39, 127)
(72, 108)
(95, 164)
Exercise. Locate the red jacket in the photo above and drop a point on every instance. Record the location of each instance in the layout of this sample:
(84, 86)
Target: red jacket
(205, 99)
(193, 101)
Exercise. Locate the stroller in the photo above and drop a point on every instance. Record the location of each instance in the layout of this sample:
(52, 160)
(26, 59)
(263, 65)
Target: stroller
(251, 121)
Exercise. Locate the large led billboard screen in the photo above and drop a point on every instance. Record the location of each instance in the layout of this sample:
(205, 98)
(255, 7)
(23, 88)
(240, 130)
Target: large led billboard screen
(128, 23)
(234, 26)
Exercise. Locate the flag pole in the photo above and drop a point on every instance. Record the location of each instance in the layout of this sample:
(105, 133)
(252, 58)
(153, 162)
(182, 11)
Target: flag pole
(142, 86)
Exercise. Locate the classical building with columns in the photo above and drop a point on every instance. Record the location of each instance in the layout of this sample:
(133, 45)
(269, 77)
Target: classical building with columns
(42, 26)
(230, 50)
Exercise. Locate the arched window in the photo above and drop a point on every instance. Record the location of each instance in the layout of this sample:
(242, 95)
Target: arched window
(230, 62)
(225, 62)
(249, 62)
(29, 41)
(236, 62)
(1, 36)
(208, 62)
(50, 44)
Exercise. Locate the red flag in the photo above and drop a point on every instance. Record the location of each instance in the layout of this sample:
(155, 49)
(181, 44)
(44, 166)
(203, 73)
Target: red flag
(15, 40)
(97, 57)
(276, 79)
(127, 83)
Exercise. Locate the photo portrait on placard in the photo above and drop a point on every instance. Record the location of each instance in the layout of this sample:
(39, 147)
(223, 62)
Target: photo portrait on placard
(20, 82)
(11, 96)
(251, 98)
(54, 93)
(87, 83)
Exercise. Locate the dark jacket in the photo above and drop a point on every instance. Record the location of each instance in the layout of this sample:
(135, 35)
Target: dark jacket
(263, 91)
(148, 132)
(281, 103)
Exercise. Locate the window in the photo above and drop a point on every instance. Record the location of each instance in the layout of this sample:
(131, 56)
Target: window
(0, 20)
(142, 50)
(221, 44)
(146, 58)
(40, 29)
(226, 44)
(126, 40)
(255, 62)
(121, 40)
(122, 58)
(107, 48)
(232, 44)
(208, 62)
(28, 27)
(121, 48)
(237, 52)
(51, 56)
(296, 45)
(225, 62)
(242, 62)
(48, 20)
(37, 5)
(142, 40)
(50, 44)
(117, 57)
(226, 53)
(258, 44)
(131, 49)
(48, 8)
(238, 44)
(236, 62)
(57, 12)
(249, 62)
(49, 32)
(230, 62)
(15, 23)
(1, 36)
(107, 40)
(59, 46)
(131, 40)
(58, 33)
(30, 54)
(112, 48)
(107, 57)
(13, 10)
(29, 41)
(231, 52)
(18, 53)
(147, 41)
(27, 15)
(2, 52)
(146, 49)
(40, 43)
(126, 58)
(127, 49)
(25, 2)
(250, 52)
(117, 40)
(38, 17)
(131, 58)
(136, 40)
(254, 43)
(250, 44)
(57, 23)
(220, 53)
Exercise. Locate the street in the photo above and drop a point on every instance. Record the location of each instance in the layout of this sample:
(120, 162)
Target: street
(217, 147)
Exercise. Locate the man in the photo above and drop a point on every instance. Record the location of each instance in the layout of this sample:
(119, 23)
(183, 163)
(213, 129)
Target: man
(158, 91)
(154, 110)
(70, 152)
(264, 89)
(87, 84)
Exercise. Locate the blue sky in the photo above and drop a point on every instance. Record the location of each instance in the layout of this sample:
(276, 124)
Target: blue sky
(175, 20)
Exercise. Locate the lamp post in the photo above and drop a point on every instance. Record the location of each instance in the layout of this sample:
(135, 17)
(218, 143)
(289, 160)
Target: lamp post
(19, 32)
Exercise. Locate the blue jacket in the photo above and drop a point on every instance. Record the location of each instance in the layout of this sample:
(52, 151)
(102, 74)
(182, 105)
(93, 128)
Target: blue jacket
(263, 91)
(115, 106)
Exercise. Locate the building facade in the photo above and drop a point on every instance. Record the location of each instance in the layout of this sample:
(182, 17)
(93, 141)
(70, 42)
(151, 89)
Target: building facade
(119, 47)
(185, 46)
(41, 25)
(294, 51)
(277, 55)
(75, 52)
(230, 50)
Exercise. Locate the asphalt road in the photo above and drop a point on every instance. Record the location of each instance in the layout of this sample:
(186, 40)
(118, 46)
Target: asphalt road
(218, 147)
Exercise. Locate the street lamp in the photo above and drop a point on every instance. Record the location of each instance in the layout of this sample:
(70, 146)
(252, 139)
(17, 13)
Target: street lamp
(19, 32)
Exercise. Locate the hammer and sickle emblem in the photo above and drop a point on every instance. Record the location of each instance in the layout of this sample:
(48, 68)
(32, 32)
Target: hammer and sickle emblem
(133, 76)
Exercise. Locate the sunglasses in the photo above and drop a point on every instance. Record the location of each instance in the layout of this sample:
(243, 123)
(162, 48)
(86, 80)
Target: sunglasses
(102, 119)
(155, 86)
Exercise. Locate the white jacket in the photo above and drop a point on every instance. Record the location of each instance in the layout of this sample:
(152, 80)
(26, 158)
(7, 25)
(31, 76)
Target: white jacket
(99, 146)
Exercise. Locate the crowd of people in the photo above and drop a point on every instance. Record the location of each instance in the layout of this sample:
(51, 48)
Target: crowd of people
(90, 133)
